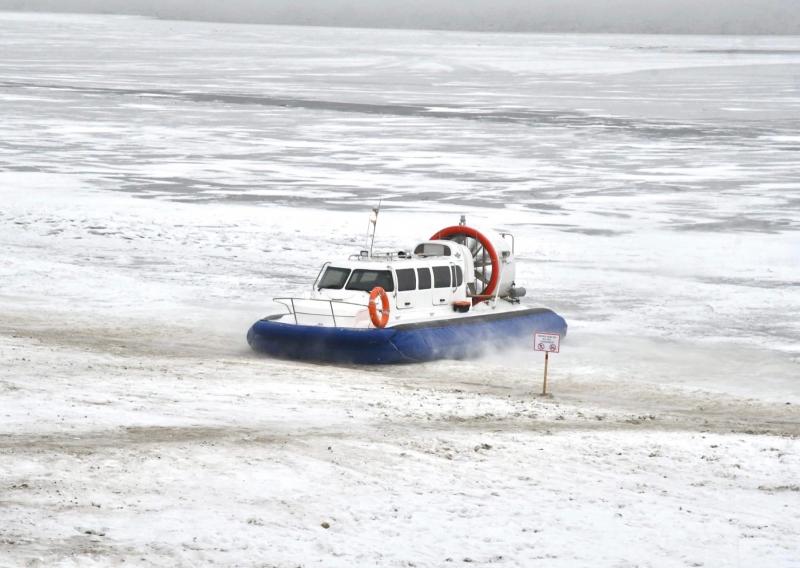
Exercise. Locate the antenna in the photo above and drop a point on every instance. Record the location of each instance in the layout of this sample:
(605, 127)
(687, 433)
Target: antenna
(372, 226)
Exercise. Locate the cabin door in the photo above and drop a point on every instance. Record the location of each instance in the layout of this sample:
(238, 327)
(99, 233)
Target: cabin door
(442, 292)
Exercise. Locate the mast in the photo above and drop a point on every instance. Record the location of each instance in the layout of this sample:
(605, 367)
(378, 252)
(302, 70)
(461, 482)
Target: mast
(372, 226)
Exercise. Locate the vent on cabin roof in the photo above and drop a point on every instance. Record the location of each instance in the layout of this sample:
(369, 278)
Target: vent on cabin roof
(432, 249)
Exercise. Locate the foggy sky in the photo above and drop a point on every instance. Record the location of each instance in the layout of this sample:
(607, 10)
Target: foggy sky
(628, 16)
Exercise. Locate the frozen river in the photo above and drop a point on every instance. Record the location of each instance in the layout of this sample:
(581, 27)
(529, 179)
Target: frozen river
(160, 181)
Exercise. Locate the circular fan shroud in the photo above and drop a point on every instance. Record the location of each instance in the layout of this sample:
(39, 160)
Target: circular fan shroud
(481, 247)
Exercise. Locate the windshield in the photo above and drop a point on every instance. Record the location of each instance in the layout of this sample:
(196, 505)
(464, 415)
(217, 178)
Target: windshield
(334, 278)
(366, 280)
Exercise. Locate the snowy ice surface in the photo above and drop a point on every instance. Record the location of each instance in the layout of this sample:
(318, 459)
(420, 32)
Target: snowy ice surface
(160, 181)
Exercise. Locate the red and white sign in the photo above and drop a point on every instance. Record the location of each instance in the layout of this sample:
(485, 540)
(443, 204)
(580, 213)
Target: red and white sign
(548, 342)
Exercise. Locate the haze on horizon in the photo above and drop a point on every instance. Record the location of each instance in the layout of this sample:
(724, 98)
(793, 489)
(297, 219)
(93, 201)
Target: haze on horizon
(622, 16)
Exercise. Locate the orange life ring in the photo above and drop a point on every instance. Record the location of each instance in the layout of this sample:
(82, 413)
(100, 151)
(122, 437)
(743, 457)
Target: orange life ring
(381, 320)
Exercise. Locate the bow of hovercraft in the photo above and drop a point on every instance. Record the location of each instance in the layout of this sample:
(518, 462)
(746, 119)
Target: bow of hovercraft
(319, 343)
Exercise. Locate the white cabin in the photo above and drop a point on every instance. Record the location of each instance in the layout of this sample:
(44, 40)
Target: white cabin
(440, 279)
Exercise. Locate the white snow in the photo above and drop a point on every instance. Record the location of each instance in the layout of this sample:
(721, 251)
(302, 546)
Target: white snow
(141, 235)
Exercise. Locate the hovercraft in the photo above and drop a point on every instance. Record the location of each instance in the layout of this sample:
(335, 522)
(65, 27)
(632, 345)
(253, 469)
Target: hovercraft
(453, 297)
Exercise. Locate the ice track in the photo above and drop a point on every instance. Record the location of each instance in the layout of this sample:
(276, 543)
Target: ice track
(159, 181)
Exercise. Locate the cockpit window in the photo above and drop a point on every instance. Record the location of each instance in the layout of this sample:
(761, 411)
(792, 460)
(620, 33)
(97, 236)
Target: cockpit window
(366, 280)
(334, 278)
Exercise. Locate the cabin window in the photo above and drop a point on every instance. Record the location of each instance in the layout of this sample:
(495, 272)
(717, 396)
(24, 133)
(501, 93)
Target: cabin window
(406, 279)
(453, 278)
(432, 249)
(459, 276)
(366, 280)
(333, 278)
(424, 275)
(441, 276)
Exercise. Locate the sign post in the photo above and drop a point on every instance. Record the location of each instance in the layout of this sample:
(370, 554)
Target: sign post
(549, 343)
(544, 381)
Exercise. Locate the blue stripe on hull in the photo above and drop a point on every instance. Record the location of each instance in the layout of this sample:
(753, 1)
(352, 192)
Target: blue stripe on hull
(462, 338)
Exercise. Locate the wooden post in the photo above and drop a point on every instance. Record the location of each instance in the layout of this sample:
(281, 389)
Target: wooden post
(544, 383)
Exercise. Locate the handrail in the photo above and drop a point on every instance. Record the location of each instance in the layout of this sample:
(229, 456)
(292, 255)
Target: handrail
(504, 235)
(294, 312)
(281, 298)
(398, 255)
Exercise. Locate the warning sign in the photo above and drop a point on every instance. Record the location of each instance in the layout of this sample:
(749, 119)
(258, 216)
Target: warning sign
(547, 342)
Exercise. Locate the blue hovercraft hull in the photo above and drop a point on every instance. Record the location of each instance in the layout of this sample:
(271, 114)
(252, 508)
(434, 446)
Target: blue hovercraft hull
(458, 338)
